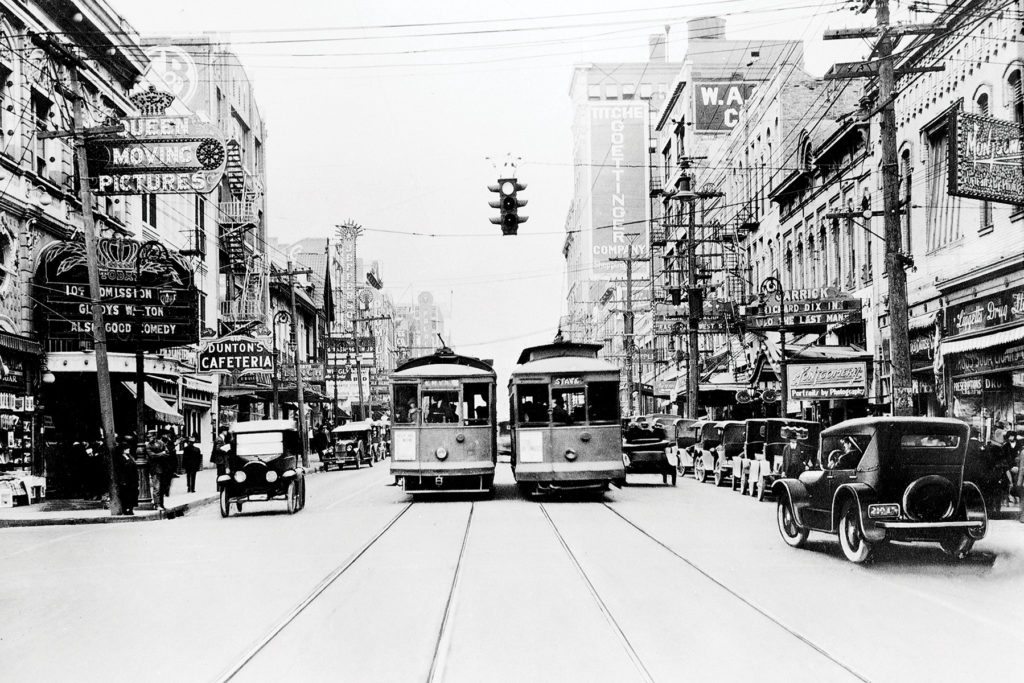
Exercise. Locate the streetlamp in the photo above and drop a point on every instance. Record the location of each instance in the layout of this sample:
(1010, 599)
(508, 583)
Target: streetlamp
(280, 318)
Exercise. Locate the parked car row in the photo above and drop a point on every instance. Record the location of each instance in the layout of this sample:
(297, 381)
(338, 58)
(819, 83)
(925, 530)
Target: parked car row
(869, 481)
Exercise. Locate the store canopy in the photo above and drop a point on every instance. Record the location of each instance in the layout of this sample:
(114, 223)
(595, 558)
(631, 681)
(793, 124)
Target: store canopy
(155, 402)
(983, 341)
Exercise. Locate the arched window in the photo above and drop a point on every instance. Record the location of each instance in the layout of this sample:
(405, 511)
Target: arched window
(811, 276)
(788, 271)
(985, 224)
(869, 274)
(1015, 96)
(798, 266)
(838, 277)
(823, 250)
(907, 186)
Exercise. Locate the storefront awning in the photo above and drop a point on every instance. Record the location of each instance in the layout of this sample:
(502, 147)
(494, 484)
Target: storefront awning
(983, 341)
(13, 342)
(920, 322)
(155, 402)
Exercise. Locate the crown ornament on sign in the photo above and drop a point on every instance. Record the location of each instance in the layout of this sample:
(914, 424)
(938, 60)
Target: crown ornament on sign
(118, 254)
(152, 102)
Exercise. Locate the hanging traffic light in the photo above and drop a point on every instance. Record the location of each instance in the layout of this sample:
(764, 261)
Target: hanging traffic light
(508, 204)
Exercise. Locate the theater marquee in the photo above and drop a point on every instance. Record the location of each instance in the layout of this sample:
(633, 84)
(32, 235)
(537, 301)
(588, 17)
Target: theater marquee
(985, 158)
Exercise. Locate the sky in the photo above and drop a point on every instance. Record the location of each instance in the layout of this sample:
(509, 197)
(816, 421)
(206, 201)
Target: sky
(390, 112)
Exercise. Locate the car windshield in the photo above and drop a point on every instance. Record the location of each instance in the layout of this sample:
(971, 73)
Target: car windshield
(735, 434)
(843, 451)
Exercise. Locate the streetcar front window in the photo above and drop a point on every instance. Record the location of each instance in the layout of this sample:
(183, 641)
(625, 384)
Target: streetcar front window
(441, 406)
(569, 406)
(404, 401)
(532, 404)
(603, 404)
(475, 406)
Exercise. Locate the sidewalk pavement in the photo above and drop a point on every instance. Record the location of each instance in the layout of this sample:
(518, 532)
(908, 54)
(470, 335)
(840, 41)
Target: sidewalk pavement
(178, 503)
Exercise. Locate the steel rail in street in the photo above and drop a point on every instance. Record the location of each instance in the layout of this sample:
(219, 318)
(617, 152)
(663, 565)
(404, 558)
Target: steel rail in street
(707, 575)
(634, 657)
(440, 657)
(324, 584)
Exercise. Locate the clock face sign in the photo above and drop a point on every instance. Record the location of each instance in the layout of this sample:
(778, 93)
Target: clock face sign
(771, 285)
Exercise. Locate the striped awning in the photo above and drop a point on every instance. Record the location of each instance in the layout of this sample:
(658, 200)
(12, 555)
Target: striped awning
(920, 322)
(983, 341)
(13, 342)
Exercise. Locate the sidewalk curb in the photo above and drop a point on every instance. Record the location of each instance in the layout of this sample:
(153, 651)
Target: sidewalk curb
(172, 512)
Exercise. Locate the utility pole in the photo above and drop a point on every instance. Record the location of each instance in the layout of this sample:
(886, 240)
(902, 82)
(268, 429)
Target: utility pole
(895, 260)
(99, 326)
(694, 312)
(628, 317)
(300, 398)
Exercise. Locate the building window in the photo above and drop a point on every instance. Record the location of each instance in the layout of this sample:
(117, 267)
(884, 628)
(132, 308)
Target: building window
(199, 234)
(869, 274)
(838, 251)
(985, 224)
(823, 250)
(1016, 97)
(149, 209)
(812, 259)
(41, 110)
(851, 242)
(907, 179)
(941, 223)
(594, 92)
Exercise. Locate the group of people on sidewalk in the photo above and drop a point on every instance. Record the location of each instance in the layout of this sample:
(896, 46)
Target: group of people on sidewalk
(998, 469)
(161, 456)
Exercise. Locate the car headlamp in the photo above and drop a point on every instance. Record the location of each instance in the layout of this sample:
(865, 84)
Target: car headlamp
(271, 476)
(240, 476)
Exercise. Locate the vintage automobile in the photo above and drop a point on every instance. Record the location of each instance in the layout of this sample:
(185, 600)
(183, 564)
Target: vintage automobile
(263, 463)
(886, 479)
(772, 460)
(719, 459)
(687, 433)
(753, 448)
(706, 441)
(646, 448)
(351, 444)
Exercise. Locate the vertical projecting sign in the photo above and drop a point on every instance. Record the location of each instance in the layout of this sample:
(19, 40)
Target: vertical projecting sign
(618, 158)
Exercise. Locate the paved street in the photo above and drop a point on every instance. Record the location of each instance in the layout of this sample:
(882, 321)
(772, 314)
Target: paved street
(690, 583)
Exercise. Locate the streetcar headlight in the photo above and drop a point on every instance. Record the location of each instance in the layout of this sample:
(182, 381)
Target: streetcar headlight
(239, 476)
(570, 454)
(271, 476)
(441, 453)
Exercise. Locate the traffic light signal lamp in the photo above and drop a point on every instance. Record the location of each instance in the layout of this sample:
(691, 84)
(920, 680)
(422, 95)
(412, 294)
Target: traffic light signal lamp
(508, 203)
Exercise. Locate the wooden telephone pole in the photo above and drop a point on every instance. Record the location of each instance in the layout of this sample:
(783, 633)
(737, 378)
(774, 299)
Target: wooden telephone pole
(628, 318)
(881, 67)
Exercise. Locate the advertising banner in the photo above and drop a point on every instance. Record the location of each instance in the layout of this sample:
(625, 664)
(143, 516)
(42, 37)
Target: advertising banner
(1000, 308)
(717, 104)
(822, 381)
(619, 202)
(148, 294)
(985, 159)
(158, 155)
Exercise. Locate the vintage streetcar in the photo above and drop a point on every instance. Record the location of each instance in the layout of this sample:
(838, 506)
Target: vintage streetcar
(263, 463)
(351, 444)
(443, 430)
(564, 404)
(886, 479)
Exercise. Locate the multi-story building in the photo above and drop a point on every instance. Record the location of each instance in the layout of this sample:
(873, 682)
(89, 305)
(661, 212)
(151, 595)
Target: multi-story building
(705, 140)
(210, 80)
(417, 327)
(607, 221)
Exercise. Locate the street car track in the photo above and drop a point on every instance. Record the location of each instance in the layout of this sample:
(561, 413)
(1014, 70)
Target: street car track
(634, 657)
(795, 634)
(437, 661)
(324, 584)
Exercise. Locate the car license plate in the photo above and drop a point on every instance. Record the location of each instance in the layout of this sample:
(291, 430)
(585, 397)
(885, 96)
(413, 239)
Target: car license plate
(884, 510)
(257, 496)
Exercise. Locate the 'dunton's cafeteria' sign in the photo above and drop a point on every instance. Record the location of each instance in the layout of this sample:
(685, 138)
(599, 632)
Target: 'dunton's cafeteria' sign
(148, 294)
(236, 354)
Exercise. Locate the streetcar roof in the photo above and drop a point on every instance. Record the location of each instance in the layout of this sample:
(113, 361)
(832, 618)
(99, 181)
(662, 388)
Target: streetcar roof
(444, 363)
(563, 365)
(558, 350)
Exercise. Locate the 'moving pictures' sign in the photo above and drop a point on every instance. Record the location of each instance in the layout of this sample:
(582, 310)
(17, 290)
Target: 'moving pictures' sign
(823, 381)
(985, 158)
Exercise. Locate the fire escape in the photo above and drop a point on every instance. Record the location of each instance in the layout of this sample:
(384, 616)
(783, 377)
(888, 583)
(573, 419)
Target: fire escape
(241, 241)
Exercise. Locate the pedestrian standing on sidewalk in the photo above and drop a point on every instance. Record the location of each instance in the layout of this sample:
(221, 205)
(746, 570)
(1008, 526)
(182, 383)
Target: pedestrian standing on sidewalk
(221, 447)
(169, 470)
(191, 461)
(127, 475)
(156, 455)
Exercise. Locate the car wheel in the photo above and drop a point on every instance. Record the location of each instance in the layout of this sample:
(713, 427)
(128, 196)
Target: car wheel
(792, 533)
(699, 473)
(719, 475)
(856, 548)
(302, 495)
(958, 546)
(293, 498)
(735, 482)
(761, 490)
(225, 503)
